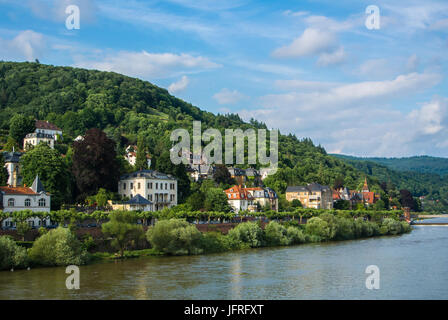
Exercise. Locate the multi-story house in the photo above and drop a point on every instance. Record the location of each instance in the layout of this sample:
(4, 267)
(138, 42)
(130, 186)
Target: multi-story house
(12, 165)
(158, 188)
(264, 197)
(45, 132)
(238, 174)
(312, 195)
(239, 199)
(18, 198)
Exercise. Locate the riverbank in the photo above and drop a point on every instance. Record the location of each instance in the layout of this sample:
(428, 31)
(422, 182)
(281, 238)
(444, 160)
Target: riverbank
(176, 237)
(412, 266)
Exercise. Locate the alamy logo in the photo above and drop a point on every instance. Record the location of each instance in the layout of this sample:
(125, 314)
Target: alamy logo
(73, 21)
(72, 281)
(373, 280)
(373, 20)
(213, 150)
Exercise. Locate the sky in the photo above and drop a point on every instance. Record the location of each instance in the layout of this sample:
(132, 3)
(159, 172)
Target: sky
(315, 69)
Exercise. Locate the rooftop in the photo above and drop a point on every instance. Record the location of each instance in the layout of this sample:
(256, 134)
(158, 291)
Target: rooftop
(150, 174)
(42, 124)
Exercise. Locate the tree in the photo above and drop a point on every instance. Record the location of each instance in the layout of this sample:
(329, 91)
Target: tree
(94, 163)
(52, 171)
(222, 175)
(20, 126)
(216, 200)
(101, 197)
(3, 172)
(11, 255)
(407, 200)
(338, 183)
(58, 247)
(296, 203)
(141, 162)
(174, 236)
(379, 205)
(122, 228)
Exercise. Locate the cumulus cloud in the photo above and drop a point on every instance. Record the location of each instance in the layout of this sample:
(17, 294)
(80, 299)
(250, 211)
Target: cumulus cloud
(311, 42)
(179, 86)
(27, 45)
(356, 118)
(226, 96)
(147, 65)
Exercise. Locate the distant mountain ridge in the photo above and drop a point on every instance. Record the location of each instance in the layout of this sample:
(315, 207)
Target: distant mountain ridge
(421, 164)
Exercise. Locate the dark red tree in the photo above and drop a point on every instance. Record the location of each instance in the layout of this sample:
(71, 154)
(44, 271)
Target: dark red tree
(95, 164)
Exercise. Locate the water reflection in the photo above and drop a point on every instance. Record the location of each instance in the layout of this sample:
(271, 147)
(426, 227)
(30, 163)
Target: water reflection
(413, 266)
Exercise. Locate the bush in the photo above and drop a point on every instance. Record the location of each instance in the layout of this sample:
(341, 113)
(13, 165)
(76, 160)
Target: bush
(248, 233)
(175, 236)
(345, 228)
(391, 226)
(276, 234)
(318, 229)
(295, 235)
(12, 255)
(59, 247)
(213, 242)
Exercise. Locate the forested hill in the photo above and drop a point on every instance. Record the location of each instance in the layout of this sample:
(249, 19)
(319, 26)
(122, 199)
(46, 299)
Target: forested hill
(127, 108)
(422, 164)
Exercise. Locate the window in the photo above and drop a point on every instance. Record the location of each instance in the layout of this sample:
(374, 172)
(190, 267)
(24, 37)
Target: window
(150, 185)
(27, 203)
(138, 186)
(42, 202)
(150, 197)
(11, 202)
(157, 186)
(166, 186)
(124, 185)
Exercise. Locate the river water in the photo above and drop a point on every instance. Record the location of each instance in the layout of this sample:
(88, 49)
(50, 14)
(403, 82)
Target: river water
(412, 266)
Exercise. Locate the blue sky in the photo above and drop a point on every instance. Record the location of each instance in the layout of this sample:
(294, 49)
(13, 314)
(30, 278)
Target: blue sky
(306, 67)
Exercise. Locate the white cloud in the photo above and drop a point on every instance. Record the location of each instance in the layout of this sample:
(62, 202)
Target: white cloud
(311, 42)
(412, 63)
(147, 65)
(226, 96)
(179, 86)
(336, 57)
(356, 118)
(27, 45)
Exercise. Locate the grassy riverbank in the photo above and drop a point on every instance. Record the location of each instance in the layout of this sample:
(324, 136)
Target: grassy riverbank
(60, 247)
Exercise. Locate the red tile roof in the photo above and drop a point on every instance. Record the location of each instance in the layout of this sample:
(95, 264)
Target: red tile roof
(41, 124)
(18, 190)
(238, 193)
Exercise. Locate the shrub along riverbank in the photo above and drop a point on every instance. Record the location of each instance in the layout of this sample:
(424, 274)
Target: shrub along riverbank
(60, 247)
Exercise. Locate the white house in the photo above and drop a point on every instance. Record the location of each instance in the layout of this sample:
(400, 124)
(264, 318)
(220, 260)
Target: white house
(46, 127)
(239, 198)
(33, 139)
(36, 199)
(131, 156)
(158, 188)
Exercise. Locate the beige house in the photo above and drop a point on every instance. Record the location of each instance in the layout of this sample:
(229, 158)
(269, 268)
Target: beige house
(158, 188)
(33, 139)
(264, 197)
(312, 195)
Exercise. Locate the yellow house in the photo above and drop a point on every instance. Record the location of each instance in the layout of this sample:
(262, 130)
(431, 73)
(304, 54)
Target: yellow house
(312, 195)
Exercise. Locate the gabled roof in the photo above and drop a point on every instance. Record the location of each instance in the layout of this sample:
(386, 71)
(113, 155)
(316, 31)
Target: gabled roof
(37, 185)
(296, 189)
(139, 200)
(17, 191)
(41, 124)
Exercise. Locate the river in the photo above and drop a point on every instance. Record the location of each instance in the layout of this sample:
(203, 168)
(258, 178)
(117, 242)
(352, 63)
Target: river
(412, 266)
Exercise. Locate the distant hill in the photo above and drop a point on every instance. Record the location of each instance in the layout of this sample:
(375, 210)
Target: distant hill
(422, 164)
(127, 108)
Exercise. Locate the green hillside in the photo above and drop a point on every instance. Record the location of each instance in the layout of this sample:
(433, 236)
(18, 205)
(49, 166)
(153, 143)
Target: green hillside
(127, 108)
(422, 164)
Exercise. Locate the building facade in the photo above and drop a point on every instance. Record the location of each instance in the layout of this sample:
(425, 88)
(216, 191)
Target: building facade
(240, 199)
(264, 197)
(158, 188)
(34, 198)
(312, 195)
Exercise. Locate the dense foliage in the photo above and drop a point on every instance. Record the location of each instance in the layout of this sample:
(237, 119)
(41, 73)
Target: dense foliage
(11, 255)
(58, 247)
